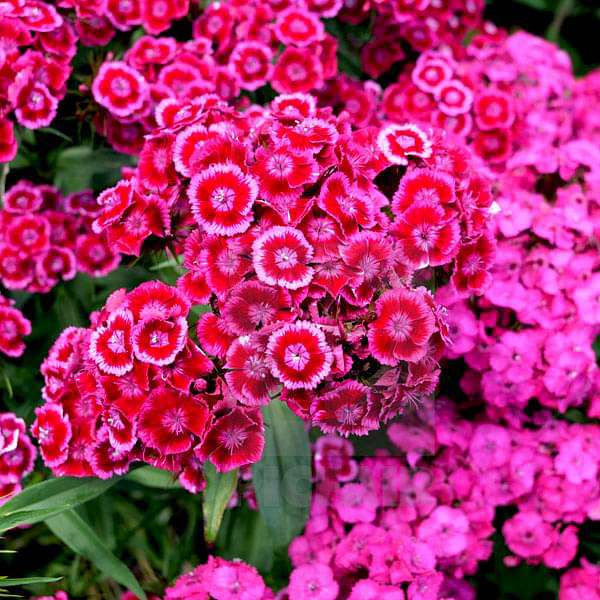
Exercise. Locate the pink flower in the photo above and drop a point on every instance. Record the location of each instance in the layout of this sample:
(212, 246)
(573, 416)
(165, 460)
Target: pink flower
(313, 582)
(355, 503)
(445, 530)
(527, 534)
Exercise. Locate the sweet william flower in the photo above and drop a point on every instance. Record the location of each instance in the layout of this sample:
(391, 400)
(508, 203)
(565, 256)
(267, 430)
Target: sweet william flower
(168, 419)
(299, 355)
(402, 328)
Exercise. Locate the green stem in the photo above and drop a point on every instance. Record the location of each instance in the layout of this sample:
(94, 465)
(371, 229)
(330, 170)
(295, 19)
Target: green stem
(563, 10)
(3, 173)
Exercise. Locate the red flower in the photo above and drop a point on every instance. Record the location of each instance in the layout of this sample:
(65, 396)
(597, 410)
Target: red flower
(494, 146)
(251, 64)
(104, 459)
(345, 410)
(430, 73)
(194, 287)
(397, 142)
(157, 300)
(297, 70)
(28, 233)
(187, 369)
(221, 198)
(119, 88)
(187, 154)
(124, 15)
(110, 345)
(404, 324)
(13, 326)
(248, 375)
(281, 256)
(170, 421)
(252, 304)
(52, 430)
(310, 135)
(423, 186)
(454, 98)
(471, 273)
(95, 256)
(40, 16)
(158, 14)
(494, 110)
(426, 237)
(213, 335)
(225, 262)
(16, 268)
(298, 27)
(8, 142)
(17, 453)
(281, 172)
(234, 440)
(294, 107)
(158, 341)
(114, 202)
(23, 197)
(155, 168)
(299, 355)
(122, 433)
(368, 256)
(349, 206)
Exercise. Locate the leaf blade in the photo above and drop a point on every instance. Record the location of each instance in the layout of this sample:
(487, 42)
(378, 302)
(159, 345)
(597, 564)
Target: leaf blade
(83, 540)
(219, 487)
(282, 478)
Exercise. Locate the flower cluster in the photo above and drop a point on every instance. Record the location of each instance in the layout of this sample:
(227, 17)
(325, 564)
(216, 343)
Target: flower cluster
(17, 455)
(13, 328)
(46, 237)
(531, 334)
(222, 580)
(234, 47)
(310, 241)
(36, 47)
(133, 387)
(422, 520)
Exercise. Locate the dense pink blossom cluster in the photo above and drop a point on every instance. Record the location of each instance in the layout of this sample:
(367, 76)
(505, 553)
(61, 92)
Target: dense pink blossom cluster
(222, 580)
(421, 521)
(531, 334)
(133, 387)
(46, 237)
(17, 455)
(36, 47)
(310, 240)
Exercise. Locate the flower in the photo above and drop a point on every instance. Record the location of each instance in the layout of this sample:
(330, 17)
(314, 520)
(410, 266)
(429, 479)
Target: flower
(402, 328)
(298, 355)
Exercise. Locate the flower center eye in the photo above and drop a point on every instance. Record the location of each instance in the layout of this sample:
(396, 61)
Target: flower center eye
(296, 357)
(222, 198)
(286, 258)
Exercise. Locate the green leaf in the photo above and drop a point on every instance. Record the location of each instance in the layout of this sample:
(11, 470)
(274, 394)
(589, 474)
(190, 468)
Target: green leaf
(38, 502)
(83, 540)
(5, 582)
(154, 478)
(219, 487)
(244, 534)
(282, 478)
(81, 167)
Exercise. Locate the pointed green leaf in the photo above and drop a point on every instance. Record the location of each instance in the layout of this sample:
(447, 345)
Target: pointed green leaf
(282, 478)
(219, 487)
(82, 539)
(154, 478)
(6, 582)
(38, 502)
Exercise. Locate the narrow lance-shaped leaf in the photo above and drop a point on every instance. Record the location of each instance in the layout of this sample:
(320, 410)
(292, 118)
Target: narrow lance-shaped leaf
(48, 498)
(282, 478)
(219, 487)
(82, 539)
